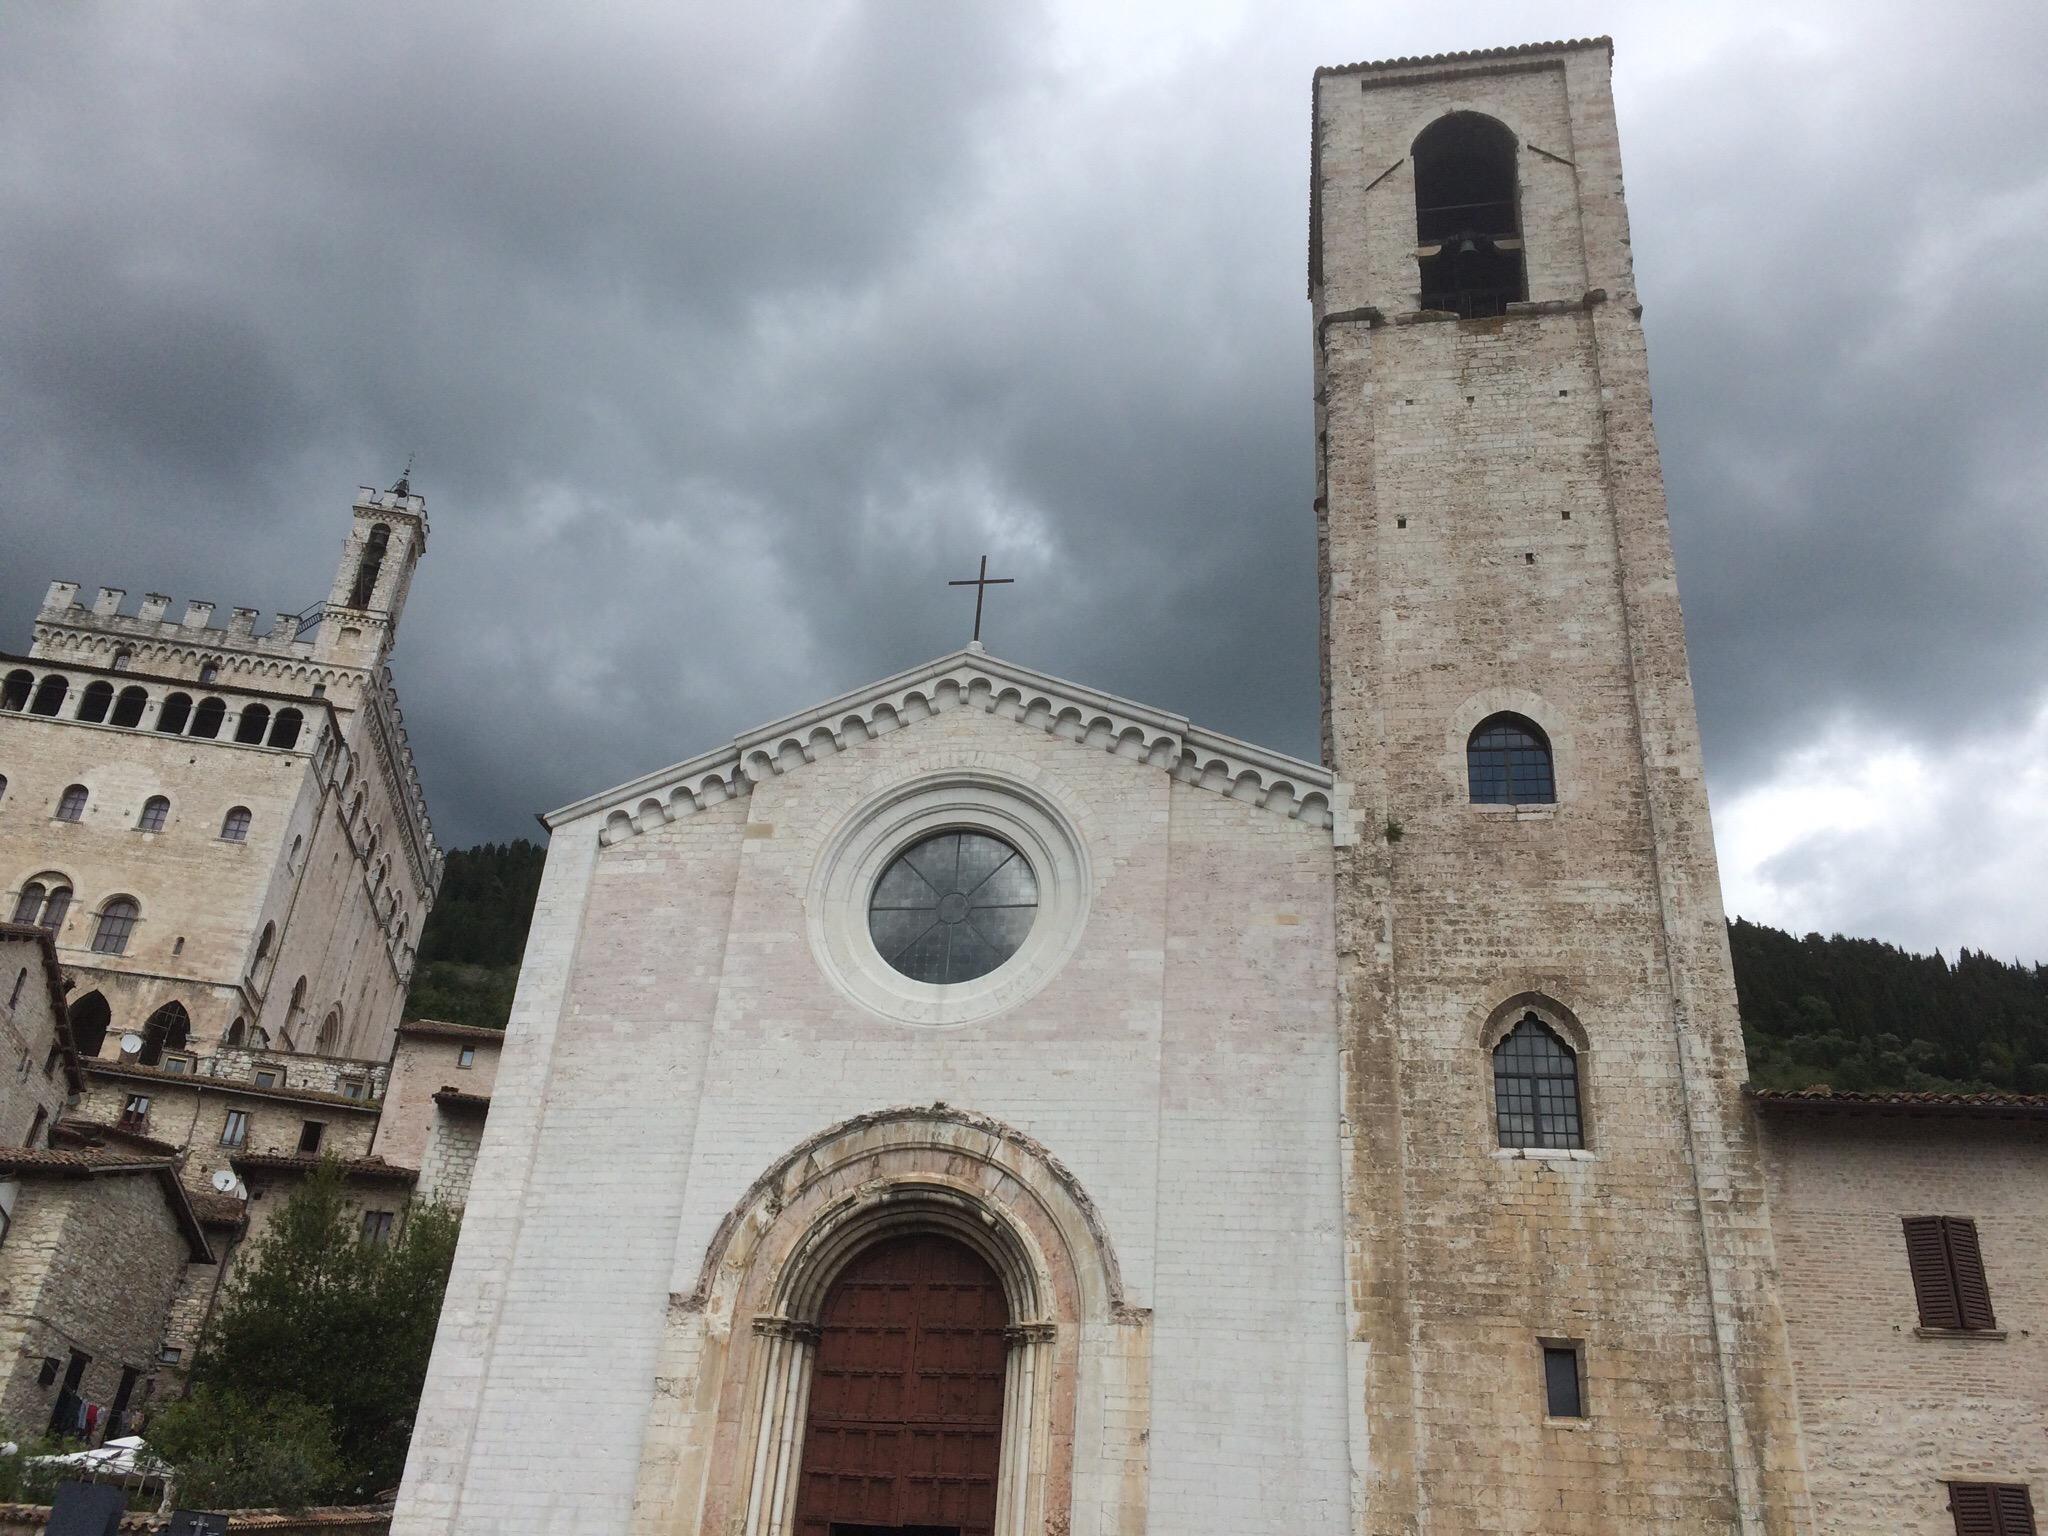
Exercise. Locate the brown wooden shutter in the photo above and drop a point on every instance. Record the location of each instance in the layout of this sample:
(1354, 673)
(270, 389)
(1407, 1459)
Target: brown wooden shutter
(1966, 1261)
(2015, 1509)
(1975, 1513)
(1933, 1284)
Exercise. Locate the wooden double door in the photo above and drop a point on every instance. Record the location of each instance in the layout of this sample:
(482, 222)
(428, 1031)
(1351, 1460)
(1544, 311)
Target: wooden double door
(904, 1432)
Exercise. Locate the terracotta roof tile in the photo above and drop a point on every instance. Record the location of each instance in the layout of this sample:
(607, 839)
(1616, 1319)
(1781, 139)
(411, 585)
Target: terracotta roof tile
(440, 1029)
(93, 1133)
(1992, 1105)
(215, 1209)
(87, 1162)
(201, 1081)
(306, 1162)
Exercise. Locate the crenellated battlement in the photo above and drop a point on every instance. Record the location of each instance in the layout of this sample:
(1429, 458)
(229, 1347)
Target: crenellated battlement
(104, 617)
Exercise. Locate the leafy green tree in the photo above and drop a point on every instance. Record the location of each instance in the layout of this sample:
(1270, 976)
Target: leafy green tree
(230, 1454)
(320, 1319)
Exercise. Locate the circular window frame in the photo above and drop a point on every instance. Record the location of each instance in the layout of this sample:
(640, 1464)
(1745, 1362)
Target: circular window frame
(881, 829)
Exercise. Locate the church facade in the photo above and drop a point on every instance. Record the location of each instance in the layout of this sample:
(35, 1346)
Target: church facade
(981, 1105)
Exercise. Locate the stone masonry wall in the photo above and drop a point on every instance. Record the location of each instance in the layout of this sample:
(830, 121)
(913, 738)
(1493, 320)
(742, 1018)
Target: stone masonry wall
(1891, 1413)
(423, 1063)
(31, 1081)
(1494, 539)
(450, 1162)
(69, 1236)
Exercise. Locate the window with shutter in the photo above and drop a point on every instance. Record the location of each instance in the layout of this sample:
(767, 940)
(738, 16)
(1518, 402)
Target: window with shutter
(1991, 1509)
(1948, 1273)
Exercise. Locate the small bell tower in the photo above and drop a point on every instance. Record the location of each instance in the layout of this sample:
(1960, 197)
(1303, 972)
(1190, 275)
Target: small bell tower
(385, 541)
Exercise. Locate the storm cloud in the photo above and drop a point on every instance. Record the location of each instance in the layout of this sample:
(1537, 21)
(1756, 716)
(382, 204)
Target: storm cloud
(725, 335)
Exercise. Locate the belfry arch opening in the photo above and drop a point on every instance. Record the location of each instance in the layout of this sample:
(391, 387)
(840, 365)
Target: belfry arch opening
(1468, 227)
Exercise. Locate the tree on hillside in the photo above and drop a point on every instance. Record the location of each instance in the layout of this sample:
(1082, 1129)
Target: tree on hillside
(473, 938)
(324, 1337)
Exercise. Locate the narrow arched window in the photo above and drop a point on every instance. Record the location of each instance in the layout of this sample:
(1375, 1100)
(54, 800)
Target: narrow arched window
(50, 694)
(235, 828)
(156, 811)
(28, 906)
(207, 718)
(284, 730)
(254, 722)
(368, 568)
(94, 703)
(297, 1007)
(329, 1038)
(1536, 1088)
(129, 706)
(263, 946)
(1508, 761)
(174, 713)
(71, 804)
(117, 923)
(208, 671)
(234, 1034)
(1468, 231)
(15, 691)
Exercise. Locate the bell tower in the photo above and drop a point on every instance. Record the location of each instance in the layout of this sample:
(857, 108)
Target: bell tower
(1561, 1272)
(387, 536)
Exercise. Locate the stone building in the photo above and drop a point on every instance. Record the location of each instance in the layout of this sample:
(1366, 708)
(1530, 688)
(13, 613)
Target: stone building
(34, 1041)
(223, 831)
(980, 1104)
(98, 1245)
(433, 1113)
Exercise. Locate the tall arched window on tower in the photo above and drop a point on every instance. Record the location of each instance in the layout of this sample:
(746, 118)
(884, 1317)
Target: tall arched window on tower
(1507, 758)
(1536, 1088)
(116, 926)
(372, 563)
(1468, 231)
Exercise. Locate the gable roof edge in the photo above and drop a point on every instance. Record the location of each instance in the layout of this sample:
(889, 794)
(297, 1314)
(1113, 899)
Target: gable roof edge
(972, 679)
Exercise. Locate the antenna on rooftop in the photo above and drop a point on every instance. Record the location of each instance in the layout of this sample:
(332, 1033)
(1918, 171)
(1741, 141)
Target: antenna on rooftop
(404, 486)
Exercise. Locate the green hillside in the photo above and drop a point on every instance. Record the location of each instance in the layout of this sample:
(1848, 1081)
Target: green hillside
(1851, 1013)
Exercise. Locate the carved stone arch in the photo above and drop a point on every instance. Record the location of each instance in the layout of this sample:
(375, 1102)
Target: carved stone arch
(1534, 707)
(750, 1324)
(1561, 1021)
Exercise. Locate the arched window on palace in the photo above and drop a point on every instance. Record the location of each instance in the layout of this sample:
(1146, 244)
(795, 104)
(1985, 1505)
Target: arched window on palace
(1536, 1088)
(208, 671)
(129, 706)
(174, 713)
(235, 1032)
(14, 691)
(49, 696)
(284, 730)
(121, 660)
(208, 718)
(1468, 231)
(94, 703)
(255, 721)
(1508, 761)
(235, 827)
(44, 901)
(167, 1030)
(156, 811)
(263, 944)
(71, 804)
(90, 1017)
(329, 1039)
(116, 926)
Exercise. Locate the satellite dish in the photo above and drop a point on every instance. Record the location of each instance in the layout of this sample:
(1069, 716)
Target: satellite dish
(225, 1181)
(131, 1044)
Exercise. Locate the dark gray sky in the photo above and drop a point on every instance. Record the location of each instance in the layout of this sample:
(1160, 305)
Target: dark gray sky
(724, 339)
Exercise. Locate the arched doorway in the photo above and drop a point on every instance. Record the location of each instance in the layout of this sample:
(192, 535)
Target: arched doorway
(903, 1436)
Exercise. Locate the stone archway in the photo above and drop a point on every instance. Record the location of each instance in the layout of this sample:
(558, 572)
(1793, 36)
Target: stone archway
(740, 1358)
